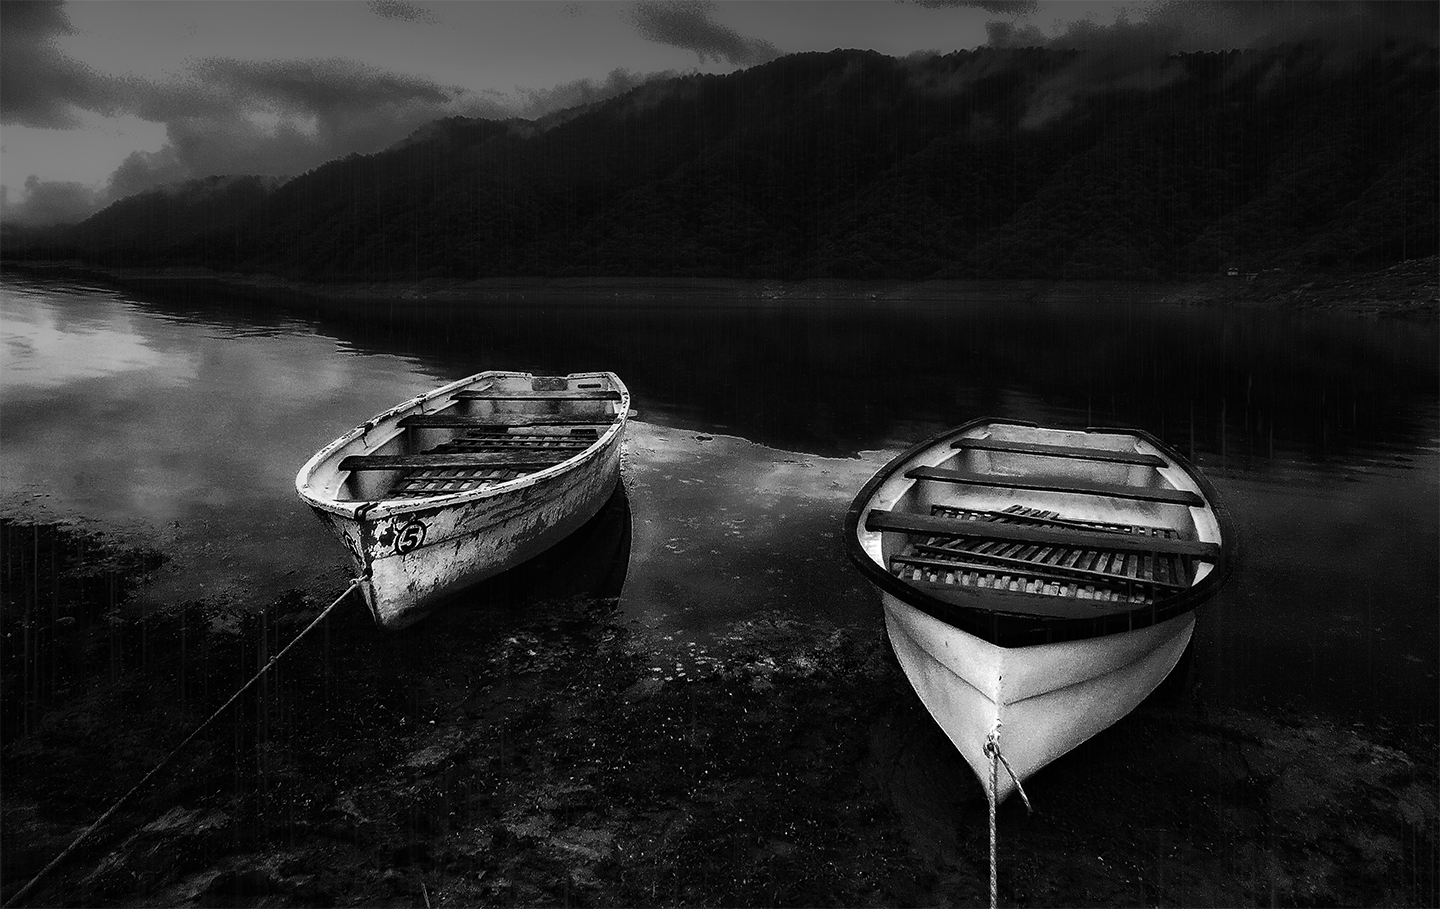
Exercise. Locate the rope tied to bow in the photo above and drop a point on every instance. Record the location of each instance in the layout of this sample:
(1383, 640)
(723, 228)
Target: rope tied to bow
(992, 751)
(992, 748)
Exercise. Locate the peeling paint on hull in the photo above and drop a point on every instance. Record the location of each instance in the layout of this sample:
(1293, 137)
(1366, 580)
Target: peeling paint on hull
(414, 552)
(483, 539)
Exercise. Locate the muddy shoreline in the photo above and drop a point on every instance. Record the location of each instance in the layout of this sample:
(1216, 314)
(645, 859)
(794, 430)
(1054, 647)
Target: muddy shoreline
(526, 747)
(1408, 290)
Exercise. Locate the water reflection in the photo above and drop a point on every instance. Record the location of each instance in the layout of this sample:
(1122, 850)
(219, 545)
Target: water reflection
(197, 441)
(868, 375)
(187, 415)
(47, 346)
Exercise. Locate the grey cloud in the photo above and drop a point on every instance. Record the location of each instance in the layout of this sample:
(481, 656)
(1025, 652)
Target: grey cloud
(689, 24)
(144, 170)
(41, 86)
(48, 202)
(1343, 24)
(541, 102)
(319, 87)
(280, 118)
(1173, 26)
(1008, 34)
(1136, 53)
(228, 116)
(231, 116)
(36, 19)
(997, 7)
(402, 11)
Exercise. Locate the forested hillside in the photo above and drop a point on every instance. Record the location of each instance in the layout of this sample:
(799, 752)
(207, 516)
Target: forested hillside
(989, 163)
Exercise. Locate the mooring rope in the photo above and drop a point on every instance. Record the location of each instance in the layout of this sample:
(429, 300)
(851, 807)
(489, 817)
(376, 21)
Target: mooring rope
(24, 891)
(992, 748)
(994, 780)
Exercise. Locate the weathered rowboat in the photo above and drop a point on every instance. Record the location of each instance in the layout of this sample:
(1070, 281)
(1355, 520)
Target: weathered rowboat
(466, 481)
(1037, 583)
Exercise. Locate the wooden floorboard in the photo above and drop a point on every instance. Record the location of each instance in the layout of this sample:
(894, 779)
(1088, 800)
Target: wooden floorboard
(982, 561)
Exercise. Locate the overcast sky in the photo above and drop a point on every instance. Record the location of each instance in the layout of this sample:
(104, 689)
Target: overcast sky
(102, 99)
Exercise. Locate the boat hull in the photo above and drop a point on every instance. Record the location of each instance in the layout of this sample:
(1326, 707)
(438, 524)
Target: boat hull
(409, 561)
(1037, 584)
(467, 481)
(1044, 699)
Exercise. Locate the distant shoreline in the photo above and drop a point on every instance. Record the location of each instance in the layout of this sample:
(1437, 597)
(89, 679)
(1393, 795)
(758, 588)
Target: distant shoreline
(1408, 290)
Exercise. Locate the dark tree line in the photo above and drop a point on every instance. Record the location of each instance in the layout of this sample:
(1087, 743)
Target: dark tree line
(850, 164)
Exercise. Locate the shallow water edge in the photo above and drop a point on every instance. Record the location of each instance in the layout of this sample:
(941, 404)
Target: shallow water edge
(524, 748)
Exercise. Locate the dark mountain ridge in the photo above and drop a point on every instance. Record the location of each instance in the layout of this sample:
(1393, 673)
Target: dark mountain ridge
(849, 164)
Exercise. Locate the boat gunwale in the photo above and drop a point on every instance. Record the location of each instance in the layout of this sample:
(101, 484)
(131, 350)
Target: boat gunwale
(374, 509)
(992, 623)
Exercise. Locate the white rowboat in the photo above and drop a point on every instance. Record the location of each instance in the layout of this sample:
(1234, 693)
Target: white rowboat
(1037, 583)
(466, 481)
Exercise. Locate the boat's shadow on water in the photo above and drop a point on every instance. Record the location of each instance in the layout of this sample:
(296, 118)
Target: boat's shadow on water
(943, 805)
(587, 569)
(1178, 802)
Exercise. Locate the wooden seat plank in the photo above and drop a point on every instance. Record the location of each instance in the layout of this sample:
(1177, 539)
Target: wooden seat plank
(937, 526)
(1082, 487)
(505, 420)
(501, 444)
(455, 460)
(1062, 451)
(583, 394)
(586, 434)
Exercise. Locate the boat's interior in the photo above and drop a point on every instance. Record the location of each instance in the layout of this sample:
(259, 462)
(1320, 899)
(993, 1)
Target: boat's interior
(1050, 518)
(500, 428)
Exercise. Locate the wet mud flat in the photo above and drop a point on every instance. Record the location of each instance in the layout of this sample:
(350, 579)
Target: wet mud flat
(532, 747)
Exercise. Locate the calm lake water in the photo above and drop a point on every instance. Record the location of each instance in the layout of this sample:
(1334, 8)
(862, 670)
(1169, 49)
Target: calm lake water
(180, 420)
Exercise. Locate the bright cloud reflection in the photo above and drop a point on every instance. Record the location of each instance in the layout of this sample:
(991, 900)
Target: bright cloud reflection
(46, 346)
(185, 430)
